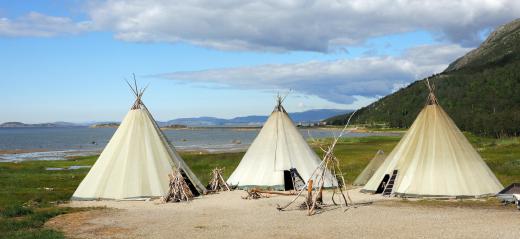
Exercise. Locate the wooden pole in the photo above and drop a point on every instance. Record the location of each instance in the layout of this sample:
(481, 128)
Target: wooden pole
(309, 194)
(286, 193)
(309, 187)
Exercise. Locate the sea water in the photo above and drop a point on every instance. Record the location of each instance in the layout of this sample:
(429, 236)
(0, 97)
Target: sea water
(60, 143)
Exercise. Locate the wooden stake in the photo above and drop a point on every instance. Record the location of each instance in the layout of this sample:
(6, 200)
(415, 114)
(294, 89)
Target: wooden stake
(286, 193)
(319, 199)
(309, 194)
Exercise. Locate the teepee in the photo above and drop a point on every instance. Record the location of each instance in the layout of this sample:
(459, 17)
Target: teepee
(370, 169)
(136, 161)
(434, 159)
(279, 158)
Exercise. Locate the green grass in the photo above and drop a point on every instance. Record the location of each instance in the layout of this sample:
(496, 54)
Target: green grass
(16, 211)
(355, 153)
(19, 221)
(29, 194)
(30, 182)
(202, 165)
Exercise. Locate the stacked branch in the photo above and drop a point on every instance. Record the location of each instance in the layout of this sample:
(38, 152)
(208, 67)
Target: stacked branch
(179, 190)
(314, 188)
(217, 182)
(254, 194)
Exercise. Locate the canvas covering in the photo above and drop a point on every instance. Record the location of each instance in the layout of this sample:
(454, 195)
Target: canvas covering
(279, 146)
(434, 159)
(134, 164)
(370, 169)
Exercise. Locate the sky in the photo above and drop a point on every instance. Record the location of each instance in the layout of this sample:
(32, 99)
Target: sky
(67, 60)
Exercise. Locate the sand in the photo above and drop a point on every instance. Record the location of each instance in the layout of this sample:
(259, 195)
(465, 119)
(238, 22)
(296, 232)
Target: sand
(226, 215)
(21, 151)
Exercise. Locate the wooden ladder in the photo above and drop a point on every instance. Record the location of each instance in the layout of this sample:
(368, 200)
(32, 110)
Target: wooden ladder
(390, 185)
(298, 182)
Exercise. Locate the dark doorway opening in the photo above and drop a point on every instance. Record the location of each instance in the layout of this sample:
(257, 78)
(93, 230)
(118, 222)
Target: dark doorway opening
(288, 180)
(192, 187)
(383, 183)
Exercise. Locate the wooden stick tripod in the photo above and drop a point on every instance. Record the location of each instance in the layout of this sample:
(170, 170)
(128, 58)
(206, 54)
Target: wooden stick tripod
(329, 163)
(217, 182)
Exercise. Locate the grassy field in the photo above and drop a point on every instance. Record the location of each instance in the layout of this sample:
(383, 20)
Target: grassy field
(29, 193)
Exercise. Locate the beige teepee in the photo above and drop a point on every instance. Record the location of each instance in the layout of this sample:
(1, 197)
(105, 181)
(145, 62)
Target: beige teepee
(370, 169)
(278, 158)
(434, 159)
(136, 162)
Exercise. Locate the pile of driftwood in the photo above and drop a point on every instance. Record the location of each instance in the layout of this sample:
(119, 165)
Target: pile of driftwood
(256, 193)
(179, 190)
(314, 187)
(217, 182)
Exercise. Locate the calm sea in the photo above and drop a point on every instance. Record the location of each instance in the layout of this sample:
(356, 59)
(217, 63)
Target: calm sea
(59, 143)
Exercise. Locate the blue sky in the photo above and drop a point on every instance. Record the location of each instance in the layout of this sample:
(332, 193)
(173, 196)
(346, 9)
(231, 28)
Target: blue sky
(67, 60)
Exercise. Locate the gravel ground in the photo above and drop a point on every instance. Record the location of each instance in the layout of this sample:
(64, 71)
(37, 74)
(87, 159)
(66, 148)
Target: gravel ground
(227, 215)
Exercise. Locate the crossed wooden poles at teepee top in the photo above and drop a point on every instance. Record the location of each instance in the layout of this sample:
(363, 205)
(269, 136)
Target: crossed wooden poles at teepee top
(432, 100)
(137, 92)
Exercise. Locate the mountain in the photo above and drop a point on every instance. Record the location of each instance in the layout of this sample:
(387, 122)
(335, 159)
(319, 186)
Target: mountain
(197, 121)
(310, 116)
(480, 91)
(41, 125)
(500, 47)
(251, 119)
(315, 115)
(65, 124)
(12, 125)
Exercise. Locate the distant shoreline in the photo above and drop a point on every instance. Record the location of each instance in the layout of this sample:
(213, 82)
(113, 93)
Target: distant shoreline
(213, 127)
(238, 127)
(116, 126)
(22, 151)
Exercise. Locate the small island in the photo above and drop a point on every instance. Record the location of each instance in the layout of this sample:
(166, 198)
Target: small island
(105, 125)
(175, 126)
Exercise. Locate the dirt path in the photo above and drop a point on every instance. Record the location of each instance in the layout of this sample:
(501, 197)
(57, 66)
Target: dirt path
(226, 215)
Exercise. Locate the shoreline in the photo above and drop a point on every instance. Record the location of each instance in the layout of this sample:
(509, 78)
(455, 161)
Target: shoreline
(21, 151)
(23, 155)
(18, 155)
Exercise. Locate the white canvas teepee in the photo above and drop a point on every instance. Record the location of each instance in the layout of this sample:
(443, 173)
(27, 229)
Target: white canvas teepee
(136, 162)
(278, 148)
(370, 169)
(434, 159)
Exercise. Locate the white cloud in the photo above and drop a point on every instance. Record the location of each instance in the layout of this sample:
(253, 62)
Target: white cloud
(274, 25)
(339, 81)
(286, 25)
(38, 25)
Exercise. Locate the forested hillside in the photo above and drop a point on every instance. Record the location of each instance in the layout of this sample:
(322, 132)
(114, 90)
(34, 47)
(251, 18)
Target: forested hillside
(480, 91)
